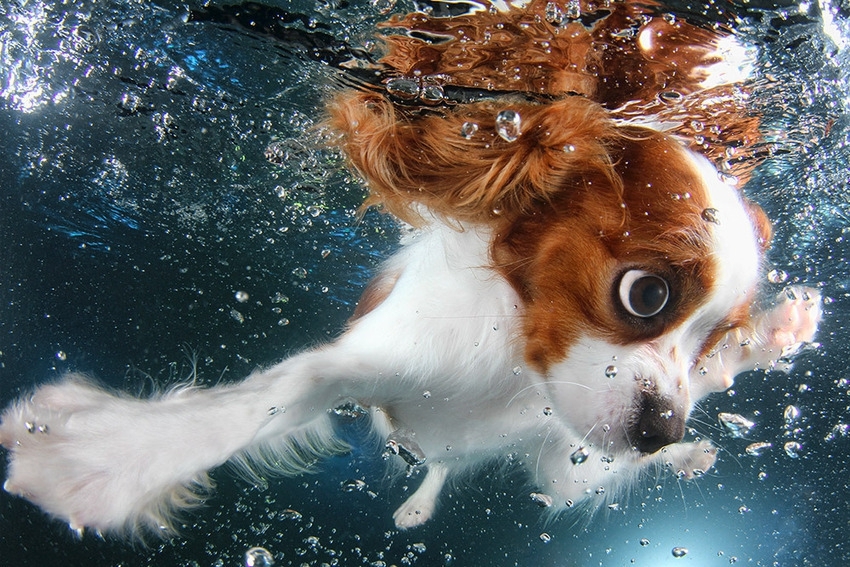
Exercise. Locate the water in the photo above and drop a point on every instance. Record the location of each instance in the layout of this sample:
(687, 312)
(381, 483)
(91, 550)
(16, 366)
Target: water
(163, 209)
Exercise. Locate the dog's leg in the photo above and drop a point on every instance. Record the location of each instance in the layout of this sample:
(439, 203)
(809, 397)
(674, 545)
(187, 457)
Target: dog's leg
(420, 506)
(768, 343)
(116, 463)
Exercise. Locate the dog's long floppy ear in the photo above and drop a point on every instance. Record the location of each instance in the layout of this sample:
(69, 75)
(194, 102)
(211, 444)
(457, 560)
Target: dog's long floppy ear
(462, 162)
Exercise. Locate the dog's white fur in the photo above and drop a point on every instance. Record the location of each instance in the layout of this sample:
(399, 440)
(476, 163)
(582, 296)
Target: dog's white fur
(441, 356)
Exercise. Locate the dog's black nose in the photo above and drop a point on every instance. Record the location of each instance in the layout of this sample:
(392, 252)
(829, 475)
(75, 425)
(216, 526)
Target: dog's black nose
(660, 423)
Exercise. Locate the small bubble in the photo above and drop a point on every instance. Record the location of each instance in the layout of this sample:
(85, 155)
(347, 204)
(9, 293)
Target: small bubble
(736, 425)
(426, 394)
(611, 371)
(242, 296)
(545, 538)
(542, 500)
(283, 322)
(258, 557)
(432, 94)
(791, 414)
(679, 551)
(793, 449)
(762, 475)
(554, 15)
(579, 456)
(290, 514)
(60, 355)
(517, 370)
(403, 88)
(547, 411)
(384, 7)
(756, 449)
(468, 130)
(711, 215)
(644, 542)
(777, 276)
(354, 485)
(669, 96)
(508, 125)
(569, 148)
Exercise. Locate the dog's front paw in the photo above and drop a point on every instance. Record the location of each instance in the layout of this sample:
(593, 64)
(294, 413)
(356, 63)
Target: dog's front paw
(792, 323)
(688, 460)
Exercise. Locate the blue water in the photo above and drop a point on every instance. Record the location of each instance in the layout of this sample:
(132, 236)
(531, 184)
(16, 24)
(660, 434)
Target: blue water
(142, 228)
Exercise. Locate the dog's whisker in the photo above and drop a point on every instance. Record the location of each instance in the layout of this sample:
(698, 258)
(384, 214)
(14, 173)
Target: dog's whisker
(543, 386)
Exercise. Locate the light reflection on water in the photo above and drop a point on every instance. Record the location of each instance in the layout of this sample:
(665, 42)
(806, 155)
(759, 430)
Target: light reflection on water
(138, 205)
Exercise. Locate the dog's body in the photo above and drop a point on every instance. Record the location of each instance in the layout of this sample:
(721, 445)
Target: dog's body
(568, 296)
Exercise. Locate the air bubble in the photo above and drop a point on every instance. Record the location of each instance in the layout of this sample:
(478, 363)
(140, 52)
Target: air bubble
(644, 542)
(579, 456)
(679, 551)
(777, 276)
(468, 130)
(554, 15)
(403, 88)
(756, 449)
(354, 485)
(611, 371)
(432, 94)
(547, 411)
(290, 514)
(508, 125)
(791, 414)
(242, 296)
(384, 7)
(793, 449)
(258, 557)
(400, 442)
(711, 215)
(545, 538)
(736, 425)
(542, 500)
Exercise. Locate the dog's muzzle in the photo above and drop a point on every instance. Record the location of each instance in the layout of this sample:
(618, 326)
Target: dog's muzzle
(659, 423)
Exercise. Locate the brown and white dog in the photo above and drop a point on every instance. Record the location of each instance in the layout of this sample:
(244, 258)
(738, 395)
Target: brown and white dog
(577, 279)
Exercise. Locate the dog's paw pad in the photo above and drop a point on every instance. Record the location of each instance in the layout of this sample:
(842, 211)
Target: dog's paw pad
(794, 320)
(414, 512)
(689, 460)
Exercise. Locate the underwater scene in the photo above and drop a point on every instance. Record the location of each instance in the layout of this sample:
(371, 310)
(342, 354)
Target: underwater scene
(172, 210)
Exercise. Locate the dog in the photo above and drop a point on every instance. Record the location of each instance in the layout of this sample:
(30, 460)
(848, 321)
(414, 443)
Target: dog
(577, 277)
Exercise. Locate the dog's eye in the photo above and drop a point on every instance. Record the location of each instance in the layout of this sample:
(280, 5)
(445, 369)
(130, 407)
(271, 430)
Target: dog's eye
(643, 294)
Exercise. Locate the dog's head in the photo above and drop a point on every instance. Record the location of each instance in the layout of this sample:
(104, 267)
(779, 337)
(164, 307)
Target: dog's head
(631, 256)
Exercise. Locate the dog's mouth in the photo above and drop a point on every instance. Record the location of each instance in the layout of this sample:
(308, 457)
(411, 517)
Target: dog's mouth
(658, 422)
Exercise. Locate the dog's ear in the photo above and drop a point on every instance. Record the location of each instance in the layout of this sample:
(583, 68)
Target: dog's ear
(461, 163)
